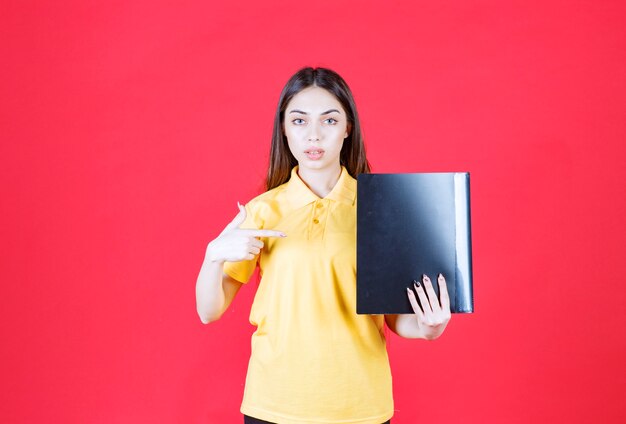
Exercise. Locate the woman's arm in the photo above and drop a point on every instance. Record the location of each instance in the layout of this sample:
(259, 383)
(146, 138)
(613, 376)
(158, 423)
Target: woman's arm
(215, 290)
(431, 319)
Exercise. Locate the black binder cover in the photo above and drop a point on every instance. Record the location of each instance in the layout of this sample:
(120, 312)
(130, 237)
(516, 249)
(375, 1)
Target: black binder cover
(409, 225)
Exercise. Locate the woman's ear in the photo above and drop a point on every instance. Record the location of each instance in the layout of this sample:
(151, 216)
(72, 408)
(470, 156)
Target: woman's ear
(348, 130)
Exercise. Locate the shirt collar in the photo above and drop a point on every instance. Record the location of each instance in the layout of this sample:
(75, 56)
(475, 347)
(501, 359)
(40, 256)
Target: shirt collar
(300, 195)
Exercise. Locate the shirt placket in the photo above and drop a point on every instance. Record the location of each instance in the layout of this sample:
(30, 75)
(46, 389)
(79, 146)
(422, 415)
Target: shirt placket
(318, 219)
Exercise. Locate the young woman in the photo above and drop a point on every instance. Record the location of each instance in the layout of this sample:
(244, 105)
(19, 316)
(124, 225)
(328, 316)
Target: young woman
(314, 360)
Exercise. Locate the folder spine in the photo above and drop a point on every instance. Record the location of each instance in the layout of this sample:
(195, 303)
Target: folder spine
(463, 274)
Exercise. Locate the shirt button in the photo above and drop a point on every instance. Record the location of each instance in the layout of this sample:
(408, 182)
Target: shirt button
(319, 205)
(316, 221)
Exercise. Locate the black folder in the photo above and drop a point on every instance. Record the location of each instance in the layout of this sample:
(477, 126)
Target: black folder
(409, 225)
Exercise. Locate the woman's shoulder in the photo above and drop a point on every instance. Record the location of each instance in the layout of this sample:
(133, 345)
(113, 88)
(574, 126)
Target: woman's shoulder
(275, 194)
(267, 202)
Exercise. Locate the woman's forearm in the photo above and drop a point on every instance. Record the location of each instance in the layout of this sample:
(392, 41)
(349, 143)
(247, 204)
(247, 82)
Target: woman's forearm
(408, 327)
(210, 298)
(404, 325)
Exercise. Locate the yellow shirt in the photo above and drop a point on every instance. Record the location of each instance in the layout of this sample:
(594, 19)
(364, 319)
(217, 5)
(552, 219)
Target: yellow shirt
(314, 360)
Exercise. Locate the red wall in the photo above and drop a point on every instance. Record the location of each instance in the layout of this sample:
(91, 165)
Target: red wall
(130, 130)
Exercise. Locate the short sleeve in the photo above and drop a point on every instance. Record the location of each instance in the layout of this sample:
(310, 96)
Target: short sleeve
(243, 270)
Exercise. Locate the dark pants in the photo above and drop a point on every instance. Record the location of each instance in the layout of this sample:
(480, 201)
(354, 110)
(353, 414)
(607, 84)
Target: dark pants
(250, 420)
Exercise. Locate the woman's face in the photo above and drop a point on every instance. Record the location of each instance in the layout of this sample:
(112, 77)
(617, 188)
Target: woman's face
(315, 125)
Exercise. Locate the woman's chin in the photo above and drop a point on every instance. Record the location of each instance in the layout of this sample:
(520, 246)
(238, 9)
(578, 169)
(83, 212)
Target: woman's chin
(315, 164)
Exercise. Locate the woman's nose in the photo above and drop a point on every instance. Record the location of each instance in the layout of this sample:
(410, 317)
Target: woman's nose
(314, 134)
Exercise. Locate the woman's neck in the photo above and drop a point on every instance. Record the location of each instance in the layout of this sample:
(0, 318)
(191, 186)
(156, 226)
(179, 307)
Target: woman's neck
(320, 181)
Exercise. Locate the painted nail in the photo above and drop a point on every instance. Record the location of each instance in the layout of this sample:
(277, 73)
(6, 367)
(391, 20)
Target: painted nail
(440, 276)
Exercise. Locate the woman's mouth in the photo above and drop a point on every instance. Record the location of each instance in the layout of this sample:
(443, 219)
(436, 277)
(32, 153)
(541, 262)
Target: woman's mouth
(314, 154)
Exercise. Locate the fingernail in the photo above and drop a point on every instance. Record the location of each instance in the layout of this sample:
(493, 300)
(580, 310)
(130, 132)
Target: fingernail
(424, 277)
(283, 235)
(440, 276)
(417, 284)
(409, 290)
(239, 205)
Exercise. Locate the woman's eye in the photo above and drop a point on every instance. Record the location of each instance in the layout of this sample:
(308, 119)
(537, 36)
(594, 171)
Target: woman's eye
(334, 121)
(298, 121)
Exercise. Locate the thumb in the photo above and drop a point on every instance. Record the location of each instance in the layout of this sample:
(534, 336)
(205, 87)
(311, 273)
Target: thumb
(238, 220)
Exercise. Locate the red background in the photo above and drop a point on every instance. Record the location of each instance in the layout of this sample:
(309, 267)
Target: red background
(131, 129)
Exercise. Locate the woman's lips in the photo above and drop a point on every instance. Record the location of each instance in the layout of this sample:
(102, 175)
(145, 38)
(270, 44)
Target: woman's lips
(314, 154)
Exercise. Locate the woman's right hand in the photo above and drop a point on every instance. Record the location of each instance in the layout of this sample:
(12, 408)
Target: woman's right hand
(236, 244)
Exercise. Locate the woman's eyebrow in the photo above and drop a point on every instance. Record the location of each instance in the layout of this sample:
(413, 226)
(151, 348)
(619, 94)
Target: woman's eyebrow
(304, 113)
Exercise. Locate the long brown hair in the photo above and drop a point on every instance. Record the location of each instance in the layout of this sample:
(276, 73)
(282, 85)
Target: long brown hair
(352, 154)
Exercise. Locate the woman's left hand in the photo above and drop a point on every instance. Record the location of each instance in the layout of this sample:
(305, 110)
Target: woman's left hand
(433, 316)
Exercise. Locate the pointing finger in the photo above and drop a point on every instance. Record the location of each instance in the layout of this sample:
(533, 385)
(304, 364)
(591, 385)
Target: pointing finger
(263, 233)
